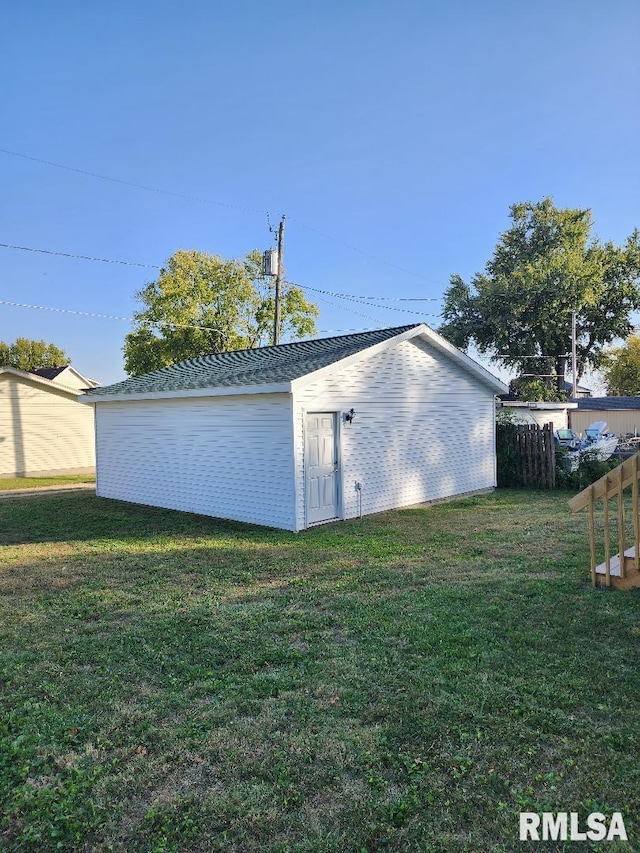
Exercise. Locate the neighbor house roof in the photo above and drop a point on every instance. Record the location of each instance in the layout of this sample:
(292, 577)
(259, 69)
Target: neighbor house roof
(582, 390)
(48, 372)
(56, 373)
(607, 403)
(272, 368)
(41, 381)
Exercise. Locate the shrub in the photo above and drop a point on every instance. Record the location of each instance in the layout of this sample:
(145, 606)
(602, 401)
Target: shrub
(588, 471)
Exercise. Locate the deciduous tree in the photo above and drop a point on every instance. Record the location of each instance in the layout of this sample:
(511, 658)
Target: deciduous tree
(202, 303)
(26, 354)
(622, 369)
(545, 266)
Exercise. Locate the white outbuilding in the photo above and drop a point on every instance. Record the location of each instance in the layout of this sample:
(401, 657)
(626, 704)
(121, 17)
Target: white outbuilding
(299, 434)
(44, 430)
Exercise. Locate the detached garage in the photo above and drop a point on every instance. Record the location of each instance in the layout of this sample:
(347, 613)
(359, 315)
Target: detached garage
(303, 433)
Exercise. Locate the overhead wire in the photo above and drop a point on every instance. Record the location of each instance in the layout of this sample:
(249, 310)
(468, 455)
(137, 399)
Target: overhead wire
(107, 316)
(344, 308)
(361, 300)
(354, 248)
(79, 257)
(184, 196)
(364, 300)
(201, 200)
(97, 315)
(133, 319)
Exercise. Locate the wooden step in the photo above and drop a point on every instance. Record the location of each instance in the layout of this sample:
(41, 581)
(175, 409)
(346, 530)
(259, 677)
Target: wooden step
(631, 575)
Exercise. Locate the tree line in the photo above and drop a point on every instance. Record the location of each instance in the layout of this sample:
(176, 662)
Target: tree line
(546, 267)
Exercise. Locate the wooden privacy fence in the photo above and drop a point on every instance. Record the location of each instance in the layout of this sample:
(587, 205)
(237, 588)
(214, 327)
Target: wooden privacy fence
(622, 569)
(526, 455)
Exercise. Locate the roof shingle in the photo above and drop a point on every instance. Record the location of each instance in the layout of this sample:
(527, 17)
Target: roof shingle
(607, 403)
(48, 372)
(261, 366)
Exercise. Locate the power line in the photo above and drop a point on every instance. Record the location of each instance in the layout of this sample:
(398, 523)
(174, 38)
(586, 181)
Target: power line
(379, 298)
(358, 329)
(353, 329)
(79, 257)
(518, 357)
(106, 316)
(344, 308)
(132, 183)
(173, 325)
(134, 320)
(355, 248)
(361, 300)
(364, 300)
(405, 298)
(201, 200)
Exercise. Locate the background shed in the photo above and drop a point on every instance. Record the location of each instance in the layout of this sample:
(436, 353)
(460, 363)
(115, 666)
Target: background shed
(540, 413)
(622, 414)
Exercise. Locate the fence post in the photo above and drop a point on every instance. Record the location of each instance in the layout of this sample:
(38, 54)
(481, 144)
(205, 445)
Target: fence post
(550, 455)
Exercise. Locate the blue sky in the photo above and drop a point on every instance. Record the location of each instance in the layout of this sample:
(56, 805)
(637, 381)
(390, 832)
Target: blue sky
(394, 137)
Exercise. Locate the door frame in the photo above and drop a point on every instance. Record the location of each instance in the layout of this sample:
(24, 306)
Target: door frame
(338, 450)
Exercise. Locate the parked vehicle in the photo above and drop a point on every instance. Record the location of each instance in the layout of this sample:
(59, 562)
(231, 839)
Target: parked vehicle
(629, 444)
(566, 438)
(597, 445)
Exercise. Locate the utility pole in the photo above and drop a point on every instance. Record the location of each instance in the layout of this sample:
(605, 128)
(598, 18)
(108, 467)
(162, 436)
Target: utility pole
(279, 281)
(574, 392)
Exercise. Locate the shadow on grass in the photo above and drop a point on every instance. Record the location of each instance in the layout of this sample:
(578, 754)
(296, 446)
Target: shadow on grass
(83, 516)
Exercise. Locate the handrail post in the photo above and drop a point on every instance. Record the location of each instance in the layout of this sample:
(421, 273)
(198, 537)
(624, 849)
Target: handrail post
(592, 535)
(613, 485)
(621, 536)
(636, 513)
(607, 541)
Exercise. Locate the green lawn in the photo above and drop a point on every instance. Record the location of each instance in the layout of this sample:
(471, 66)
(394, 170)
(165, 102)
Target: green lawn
(408, 682)
(8, 483)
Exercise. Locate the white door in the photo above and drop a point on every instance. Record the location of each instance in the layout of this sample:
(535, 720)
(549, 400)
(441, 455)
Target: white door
(321, 466)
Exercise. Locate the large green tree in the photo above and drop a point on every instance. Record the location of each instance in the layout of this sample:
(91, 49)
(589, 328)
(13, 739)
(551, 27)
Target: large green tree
(26, 354)
(621, 369)
(202, 303)
(545, 266)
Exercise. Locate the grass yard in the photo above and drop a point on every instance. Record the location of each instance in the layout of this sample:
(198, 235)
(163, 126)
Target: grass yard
(8, 483)
(408, 682)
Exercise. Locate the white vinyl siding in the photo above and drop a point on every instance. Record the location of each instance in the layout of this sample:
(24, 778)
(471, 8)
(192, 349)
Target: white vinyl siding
(70, 379)
(43, 431)
(540, 417)
(228, 457)
(423, 429)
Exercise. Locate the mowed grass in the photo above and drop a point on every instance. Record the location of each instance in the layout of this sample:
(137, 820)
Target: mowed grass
(9, 483)
(407, 682)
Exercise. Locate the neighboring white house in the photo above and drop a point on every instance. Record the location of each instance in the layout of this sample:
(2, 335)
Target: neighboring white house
(302, 433)
(539, 413)
(44, 430)
(66, 375)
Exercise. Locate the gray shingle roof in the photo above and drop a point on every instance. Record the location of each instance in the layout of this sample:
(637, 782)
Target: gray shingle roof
(568, 386)
(610, 403)
(262, 366)
(48, 372)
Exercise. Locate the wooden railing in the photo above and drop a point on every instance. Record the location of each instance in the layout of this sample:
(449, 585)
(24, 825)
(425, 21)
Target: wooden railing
(623, 568)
